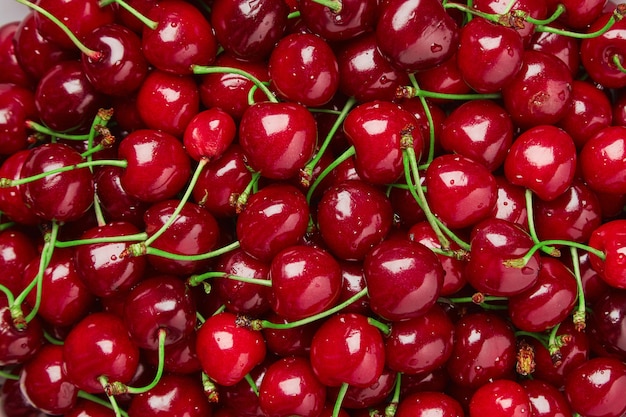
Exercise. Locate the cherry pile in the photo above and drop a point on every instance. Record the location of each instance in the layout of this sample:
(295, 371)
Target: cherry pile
(313, 208)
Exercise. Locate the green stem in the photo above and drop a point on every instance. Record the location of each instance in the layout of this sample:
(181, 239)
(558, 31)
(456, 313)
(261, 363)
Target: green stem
(340, 396)
(203, 70)
(95, 399)
(406, 92)
(160, 367)
(560, 9)
(6, 226)
(578, 35)
(196, 280)
(9, 295)
(138, 237)
(252, 384)
(429, 119)
(496, 18)
(242, 199)
(39, 128)
(521, 262)
(350, 152)
(541, 338)
(580, 313)
(390, 410)
(104, 381)
(199, 257)
(143, 19)
(385, 329)
(617, 61)
(52, 340)
(293, 15)
(530, 213)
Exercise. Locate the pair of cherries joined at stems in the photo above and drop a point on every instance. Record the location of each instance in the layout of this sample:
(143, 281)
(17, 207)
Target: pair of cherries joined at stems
(339, 209)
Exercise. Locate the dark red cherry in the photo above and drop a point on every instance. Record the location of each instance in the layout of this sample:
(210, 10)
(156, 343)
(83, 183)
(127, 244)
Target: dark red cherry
(227, 351)
(489, 54)
(540, 92)
(493, 242)
(116, 203)
(607, 322)
(277, 138)
(195, 231)
(578, 14)
(158, 166)
(44, 383)
(65, 99)
(17, 346)
(183, 37)
(239, 399)
(598, 52)
(480, 130)
(542, 159)
(416, 34)
(99, 346)
(355, 18)
(17, 250)
(81, 18)
(88, 408)
(352, 218)
(168, 102)
(596, 388)
(12, 71)
(444, 78)
(11, 203)
(359, 398)
(274, 218)
(290, 387)
(156, 303)
(173, 396)
(17, 106)
(179, 358)
(484, 350)
(303, 68)
(610, 238)
(63, 196)
(404, 279)
(605, 149)
(13, 402)
(119, 67)
(564, 47)
(347, 349)
(460, 191)
(545, 399)
(429, 402)
(548, 302)
(305, 281)
(209, 134)
(247, 29)
(500, 398)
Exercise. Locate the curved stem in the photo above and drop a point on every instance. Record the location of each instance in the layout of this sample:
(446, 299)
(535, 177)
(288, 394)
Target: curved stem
(148, 22)
(94, 398)
(617, 61)
(385, 329)
(39, 128)
(528, 196)
(160, 367)
(7, 292)
(578, 35)
(521, 262)
(104, 381)
(560, 9)
(350, 152)
(242, 199)
(340, 396)
(196, 280)
(199, 257)
(203, 70)
(252, 384)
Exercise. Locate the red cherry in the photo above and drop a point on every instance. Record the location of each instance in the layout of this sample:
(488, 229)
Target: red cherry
(294, 341)
(535, 8)
(115, 201)
(578, 14)
(545, 399)
(566, 48)
(17, 346)
(598, 52)
(444, 78)
(511, 203)
(355, 18)
(500, 398)
(605, 149)
(11, 203)
(610, 238)
(88, 408)
(427, 403)
(606, 324)
(209, 134)
(17, 106)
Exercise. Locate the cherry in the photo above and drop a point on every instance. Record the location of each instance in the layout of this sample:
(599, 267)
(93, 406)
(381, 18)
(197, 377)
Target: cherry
(11, 203)
(249, 30)
(158, 166)
(13, 402)
(416, 34)
(65, 99)
(364, 73)
(610, 238)
(17, 250)
(534, 8)
(88, 408)
(178, 23)
(511, 203)
(545, 399)
(500, 398)
(484, 350)
(209, 134)
(540, 92)
(489, 54)
(64, 196)
(44, 383)
(17, 346)
(442, 79)
(17, 106)
(227, 351)
(168, 102)
(289, 341)
(355, 17)
(277, 138)
(578, 14)
(98, 350)
(604, 149)
(178, 358)
(404, 279)
(550, 154)
(353, 217)
(116, 203)
(595, 388)
(175, 396)
(566, 48)
(429, 402)
(606, 325)
(241, 399)
(290, 387)
(480, 130)
(347, 349)
(600, 55)
(12, 71)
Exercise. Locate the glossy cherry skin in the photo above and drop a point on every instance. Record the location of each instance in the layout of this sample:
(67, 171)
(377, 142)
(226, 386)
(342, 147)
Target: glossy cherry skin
(209, 134)
(416, 34)
(596, 388)
(87, 408)
(605, 149)
(542, 159)
(99, 346)
(500, 398)
(17, 106)
(240, 399)
(195, 231)
(607, 322)
(493, 242)
(480, 130)
(17, 250)
(376, 130)
(115, 201)
(598, 52)
(548, 302)
(303, 68)
(489, 54)
(161, 302)
(404, 279)
(158, 166)
(65, 99)
(566, 48)
(540, 92)
(426, 403)
(174, 395)
(579, 13)
(353, 217)
(274, 218)
(13, 402)
(610, 238)
(183, 37)
(11, 203)
(249, 30)
(347, 349)
(179, 358)
(278, 138)
(64, 196)
(545, 399)
(534, 8)
(44, 383)
(484, 350)
(17, 346)
(295, 341)
(120, 66)
(168, 102)
(511, 203)
(445, 78)
(355, 18)
(12, 71)
(100, 266)
(290, 387)
(227, 351)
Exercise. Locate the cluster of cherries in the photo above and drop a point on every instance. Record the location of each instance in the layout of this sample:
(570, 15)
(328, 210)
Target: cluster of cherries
(313, 208)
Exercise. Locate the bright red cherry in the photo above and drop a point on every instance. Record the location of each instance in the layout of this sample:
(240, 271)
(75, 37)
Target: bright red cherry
(597, 54)
(17, 106)
(501, 398)
(427, 403)
(116, 203)
(355, 18)
(11, 203)
(17, 250)
(610, 238)
(606, 149)
(209, 134)
(545, 399)
(17, 346)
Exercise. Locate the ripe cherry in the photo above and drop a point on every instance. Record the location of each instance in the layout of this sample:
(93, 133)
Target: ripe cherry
(354, 18)
(610, 238)
(11, 203)
(115, 201)
(605, 149)
(545, 399)
(429, 402)
(599, 54)
(12, 71)
(209, 134)
(17, 250)
(500, 398)
(17, 106)
(17, 346)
